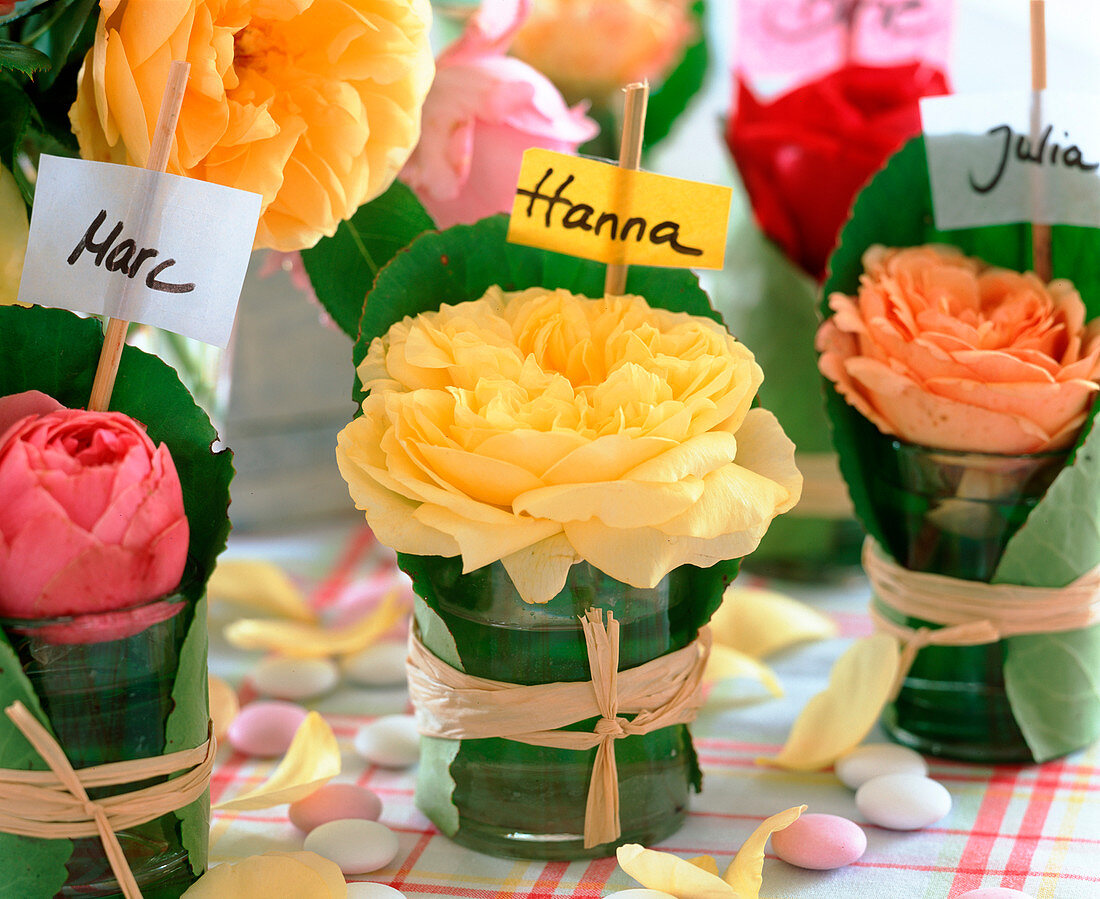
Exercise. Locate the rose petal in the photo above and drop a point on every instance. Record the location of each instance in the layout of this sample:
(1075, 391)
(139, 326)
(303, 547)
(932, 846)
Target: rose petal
(744, 873)
(259, 585)
(312, 760)
(761, 622)
(837, 719)
(667, 873)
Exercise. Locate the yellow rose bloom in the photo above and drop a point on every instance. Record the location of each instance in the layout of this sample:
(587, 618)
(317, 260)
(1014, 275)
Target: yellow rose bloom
(314, 104)
(541, 428)
(13, 237)
(590, 48)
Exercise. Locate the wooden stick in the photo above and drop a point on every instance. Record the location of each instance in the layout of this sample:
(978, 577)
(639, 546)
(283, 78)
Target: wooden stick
(1040, 234)
(115, 336)
(630, 157)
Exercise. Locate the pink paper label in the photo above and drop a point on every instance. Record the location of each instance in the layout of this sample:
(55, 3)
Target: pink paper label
(798, 38)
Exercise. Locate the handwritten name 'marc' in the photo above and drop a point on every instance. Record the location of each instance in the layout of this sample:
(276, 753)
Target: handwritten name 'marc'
(597, 211)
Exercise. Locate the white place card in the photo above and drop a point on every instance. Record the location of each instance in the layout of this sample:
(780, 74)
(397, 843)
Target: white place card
(139, 245)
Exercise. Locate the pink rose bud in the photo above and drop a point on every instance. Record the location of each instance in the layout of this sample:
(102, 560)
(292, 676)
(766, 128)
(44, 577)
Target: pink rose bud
(91, 515)
(483, 110)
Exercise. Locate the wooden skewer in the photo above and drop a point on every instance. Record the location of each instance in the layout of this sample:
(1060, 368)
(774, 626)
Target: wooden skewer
(630, 157)
(115, 336)
(1040, 234)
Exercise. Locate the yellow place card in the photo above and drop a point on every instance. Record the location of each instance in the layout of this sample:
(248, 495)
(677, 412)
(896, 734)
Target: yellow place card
(583, 207)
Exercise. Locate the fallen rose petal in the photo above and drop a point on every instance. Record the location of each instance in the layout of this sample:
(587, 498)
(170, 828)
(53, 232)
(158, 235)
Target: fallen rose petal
(313, 759)
(745, 871)
(259, 585)
(761, 622)
(838, 718)
(288, 875)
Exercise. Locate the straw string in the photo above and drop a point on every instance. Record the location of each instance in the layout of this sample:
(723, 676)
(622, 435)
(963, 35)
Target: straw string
(971, 613)
(453, 705)
(55, 804)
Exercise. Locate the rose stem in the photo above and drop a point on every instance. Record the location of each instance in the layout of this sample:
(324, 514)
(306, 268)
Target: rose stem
(630, 157)
(1040, 234)
(111, 352)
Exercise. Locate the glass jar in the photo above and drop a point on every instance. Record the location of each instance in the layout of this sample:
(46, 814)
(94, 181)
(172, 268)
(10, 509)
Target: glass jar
(953, 513)
(105, 684)
(523, 801)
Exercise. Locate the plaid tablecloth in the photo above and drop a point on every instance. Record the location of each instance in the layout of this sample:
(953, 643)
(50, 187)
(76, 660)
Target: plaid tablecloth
(1033, 828)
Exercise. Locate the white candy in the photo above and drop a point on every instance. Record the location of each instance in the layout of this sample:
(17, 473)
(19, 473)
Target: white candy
(391, 741)
(363, 890)
(286, 678)
(876, 759)
(380, 665)
(357, 846)
(903, 801)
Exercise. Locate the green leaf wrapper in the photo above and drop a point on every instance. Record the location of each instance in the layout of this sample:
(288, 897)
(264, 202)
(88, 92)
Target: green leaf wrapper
(1052, 680)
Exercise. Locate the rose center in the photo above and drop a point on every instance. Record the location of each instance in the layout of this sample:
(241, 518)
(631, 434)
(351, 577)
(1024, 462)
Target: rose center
(260, 46)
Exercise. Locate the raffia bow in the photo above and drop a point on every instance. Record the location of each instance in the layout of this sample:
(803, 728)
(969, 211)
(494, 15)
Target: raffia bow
(55, 804)
(971, 613)
(453, 705)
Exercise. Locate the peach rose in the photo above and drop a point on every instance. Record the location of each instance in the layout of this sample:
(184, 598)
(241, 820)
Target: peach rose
(541, 428)
(944, 351)
(314, 104)
(590, 48)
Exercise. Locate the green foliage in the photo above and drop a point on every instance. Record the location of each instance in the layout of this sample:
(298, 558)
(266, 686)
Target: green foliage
(343, 267)
(22, 59)
(673, 96)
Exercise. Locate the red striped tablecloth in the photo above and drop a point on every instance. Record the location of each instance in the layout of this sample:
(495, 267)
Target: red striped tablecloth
(1034, 828)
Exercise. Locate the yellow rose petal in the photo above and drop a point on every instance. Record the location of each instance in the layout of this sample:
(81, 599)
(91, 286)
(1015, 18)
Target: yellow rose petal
(539, 571)
(706, 863)
(14, 230)
(744, 872)
(328, 870)
(837, 719)
(261, 586)
(283, 874)
(666, 872)
(726, 663)
(759, 622)
(310, 641)
(312, 760)
(224, 705)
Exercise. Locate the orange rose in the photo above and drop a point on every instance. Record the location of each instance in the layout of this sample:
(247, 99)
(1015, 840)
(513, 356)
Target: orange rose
(944, 351)
(314, 104)
(589, 49)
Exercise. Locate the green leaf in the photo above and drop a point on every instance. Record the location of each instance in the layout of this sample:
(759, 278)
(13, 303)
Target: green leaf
(23, 8)
(1053, 685)
(668, 102)
(342, 268)
(15, 115)
(70, 34)
(34, 869)
(463, 262)
(19, 58)
(57, 352)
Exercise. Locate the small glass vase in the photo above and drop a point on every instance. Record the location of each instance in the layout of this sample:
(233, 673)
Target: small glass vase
(953, 513)
(105, 683)
(522, 801)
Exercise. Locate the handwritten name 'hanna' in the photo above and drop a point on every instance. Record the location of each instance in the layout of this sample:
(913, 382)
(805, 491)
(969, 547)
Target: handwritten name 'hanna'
(579, 216)
(125, 256)
(1047, 153)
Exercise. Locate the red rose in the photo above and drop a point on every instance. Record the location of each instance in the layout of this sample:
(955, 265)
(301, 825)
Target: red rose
(91, 512)
(804, 156)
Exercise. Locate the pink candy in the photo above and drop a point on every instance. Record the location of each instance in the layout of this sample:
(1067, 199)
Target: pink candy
(333, 802)
(820, 842)
(265, 728)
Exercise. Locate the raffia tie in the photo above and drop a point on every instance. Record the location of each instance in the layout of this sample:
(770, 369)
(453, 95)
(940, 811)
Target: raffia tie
(453, 705)
(972, 613)
(54, 804)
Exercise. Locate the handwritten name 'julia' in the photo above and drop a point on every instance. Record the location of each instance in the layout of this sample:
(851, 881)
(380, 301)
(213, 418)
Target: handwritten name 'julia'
(125, 256)
(580, 215)
(1049, 153)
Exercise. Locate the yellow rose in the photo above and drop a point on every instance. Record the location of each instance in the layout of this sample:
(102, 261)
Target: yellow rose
(541, 428)
(314, 104)
(943, 350)
(590, 48)
(13, 237)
